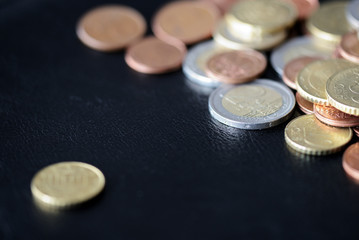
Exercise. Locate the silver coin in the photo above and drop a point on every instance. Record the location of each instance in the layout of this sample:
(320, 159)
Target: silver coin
(352, 14)
(297, 47)
(194, 64)
(260, 104)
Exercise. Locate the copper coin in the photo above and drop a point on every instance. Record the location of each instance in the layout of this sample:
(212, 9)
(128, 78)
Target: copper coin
(235, 67)
(152, 55)
(356, 131)
(187, 21)
(304, 105)
(349, 47)
(292, 69)
(336, 53)
(351, 161)
(111, 27)
(334, 117)
(305, 7)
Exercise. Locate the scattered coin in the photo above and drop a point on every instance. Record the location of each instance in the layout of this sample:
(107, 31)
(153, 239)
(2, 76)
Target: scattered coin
(153, 56)
(308, 135)
(233, 67)
(349, 47)
(256, 105)
(66, 184)
(305, 7)
(110, 27)
(333, 117)
(304, 105)
(351, 161)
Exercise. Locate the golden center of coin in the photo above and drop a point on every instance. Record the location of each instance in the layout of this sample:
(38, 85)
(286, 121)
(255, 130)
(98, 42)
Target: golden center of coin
(343, 91)
(252, 101)
(311, 81)
(308, 135)
(67, 183)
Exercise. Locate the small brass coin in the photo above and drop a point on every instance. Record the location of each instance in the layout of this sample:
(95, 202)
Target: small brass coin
(308, 135)
(342, 90)
(66, 184)
(312, 80)
(329, 22)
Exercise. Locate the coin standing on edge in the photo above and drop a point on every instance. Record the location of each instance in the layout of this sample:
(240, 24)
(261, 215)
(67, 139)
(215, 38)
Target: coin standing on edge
(308, 135)
(154, 56)
(351, 161)
(334, 117)
(110, 27)
(65, 184)
(304, 105)
(257, 105)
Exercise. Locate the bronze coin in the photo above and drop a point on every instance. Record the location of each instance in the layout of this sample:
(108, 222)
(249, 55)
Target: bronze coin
(110, 27)
(235, 67)
(351, 161)
(187, 21)
(153, 56)
(349, 47)
(334, 117)
(304, 105)
(292, 69)
(305, 7)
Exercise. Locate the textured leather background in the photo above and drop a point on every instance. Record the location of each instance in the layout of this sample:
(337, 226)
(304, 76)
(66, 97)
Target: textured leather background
(172, 172)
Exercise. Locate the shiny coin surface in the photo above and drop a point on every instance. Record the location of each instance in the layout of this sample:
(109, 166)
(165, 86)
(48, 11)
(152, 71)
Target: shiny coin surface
(223, 36)
(351, 161)
(111, 27)
(334, 117)
(312, 80)
(256, 105)
(352, 13)
(236, 66)
(308, 135)
(349, 47)
(304, 105)
(153, 56)
(292, 69)
(304, 7)
(297, 47)
(186, 21)
(342, 90)
(66, 184)
(195, 63)
(329, 22)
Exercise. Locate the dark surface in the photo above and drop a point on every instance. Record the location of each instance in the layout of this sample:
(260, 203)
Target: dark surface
(171, 171)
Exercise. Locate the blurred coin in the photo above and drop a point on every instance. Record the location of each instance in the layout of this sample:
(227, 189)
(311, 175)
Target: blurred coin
(223, 5)
(256, 105)
(153, 56)
(336, 53)
(195, 63)
(110, 27)
(349, 47)
(304, 7)
(352, 14)
(236, 66)
(351, 161)
(356, 131)
(66, 184)
(187, 21)
(311, 81)
(308, 135)
(294, 48)
(342, 90)
(334, 117)
(292, 69)
(304, 105)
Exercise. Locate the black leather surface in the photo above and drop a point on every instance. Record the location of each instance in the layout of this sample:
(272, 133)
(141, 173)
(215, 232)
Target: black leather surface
(172, 172)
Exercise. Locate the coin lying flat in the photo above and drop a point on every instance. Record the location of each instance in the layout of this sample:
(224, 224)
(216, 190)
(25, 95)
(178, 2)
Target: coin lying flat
(334, 117)
(304, 105)
(308, 135)
(110, 27)
(351, 161)
(349, 47)
(311, 81)
(352, 14)
(342, 90)
(256, 105)
(66, 184)
(186, 21)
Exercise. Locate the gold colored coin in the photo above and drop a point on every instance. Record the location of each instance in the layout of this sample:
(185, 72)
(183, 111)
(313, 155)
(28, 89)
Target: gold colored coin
(342, 91)
(66, 184)
(308, 135)
(329, 22)
(260, 17)
(312, 80)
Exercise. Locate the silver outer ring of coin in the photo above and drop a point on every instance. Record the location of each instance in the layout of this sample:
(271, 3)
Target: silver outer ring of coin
(352, 14)
(277, 57)
(224, 37)
(191, 69)
(219, 113)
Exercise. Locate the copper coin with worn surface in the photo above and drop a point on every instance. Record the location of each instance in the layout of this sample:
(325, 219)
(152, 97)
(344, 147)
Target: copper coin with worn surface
(349, 47)
(304, 105)
(334, 117)
(292, 69)
(351, 161)
(305, 7)
(187, 21)
(111, 27)
(152, 55)
(235, 67)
